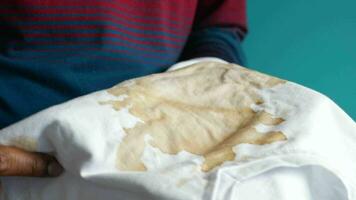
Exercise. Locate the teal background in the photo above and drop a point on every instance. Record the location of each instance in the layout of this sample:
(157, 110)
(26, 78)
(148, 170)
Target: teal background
(310, 42)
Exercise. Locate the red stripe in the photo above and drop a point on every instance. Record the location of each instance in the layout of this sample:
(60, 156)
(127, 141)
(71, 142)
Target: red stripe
(103, 18)
(170, 11)
(141, 5)
(98, 35)
(179, 30)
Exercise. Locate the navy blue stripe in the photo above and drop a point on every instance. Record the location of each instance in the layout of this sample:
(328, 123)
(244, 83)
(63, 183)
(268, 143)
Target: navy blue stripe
(73, 57)
(124, 52)
(106, 39)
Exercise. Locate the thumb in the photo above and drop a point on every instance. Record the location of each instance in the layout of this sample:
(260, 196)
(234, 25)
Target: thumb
(18, 162)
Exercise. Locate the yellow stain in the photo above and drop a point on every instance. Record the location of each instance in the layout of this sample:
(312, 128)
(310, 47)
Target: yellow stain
(203, 109)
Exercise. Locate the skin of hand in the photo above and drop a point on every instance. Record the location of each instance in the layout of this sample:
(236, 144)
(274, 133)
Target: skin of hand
(18, 162)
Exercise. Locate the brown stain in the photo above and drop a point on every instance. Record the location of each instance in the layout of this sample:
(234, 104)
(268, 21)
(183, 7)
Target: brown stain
(203, 109)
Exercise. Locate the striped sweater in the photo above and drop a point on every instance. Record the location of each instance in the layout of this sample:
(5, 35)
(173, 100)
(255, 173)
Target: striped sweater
(54, 50)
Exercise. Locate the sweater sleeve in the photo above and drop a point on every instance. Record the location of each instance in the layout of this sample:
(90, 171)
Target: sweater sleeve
(218, 29)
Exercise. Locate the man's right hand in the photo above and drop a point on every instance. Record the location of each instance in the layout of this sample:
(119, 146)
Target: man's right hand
(18, 162)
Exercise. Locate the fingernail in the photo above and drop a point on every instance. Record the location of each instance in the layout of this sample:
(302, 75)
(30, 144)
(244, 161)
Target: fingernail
(54, 169)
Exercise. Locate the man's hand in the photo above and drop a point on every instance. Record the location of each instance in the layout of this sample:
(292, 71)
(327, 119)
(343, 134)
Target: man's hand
(18, 162)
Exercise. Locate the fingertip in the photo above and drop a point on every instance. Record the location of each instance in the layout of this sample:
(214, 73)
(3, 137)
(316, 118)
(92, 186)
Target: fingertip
(54, 169)
(18, 162)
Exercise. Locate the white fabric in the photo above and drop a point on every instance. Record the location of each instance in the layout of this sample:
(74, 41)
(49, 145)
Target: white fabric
(317, 161)
(307, 183)
(186, 63)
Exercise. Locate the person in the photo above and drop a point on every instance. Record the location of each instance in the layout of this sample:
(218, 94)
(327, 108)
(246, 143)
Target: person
(53, 51)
